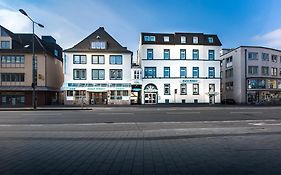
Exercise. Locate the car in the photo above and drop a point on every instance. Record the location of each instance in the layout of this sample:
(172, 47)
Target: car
(228, 101)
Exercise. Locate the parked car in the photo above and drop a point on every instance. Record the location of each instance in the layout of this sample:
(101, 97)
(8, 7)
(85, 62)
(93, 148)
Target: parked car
(228, 101)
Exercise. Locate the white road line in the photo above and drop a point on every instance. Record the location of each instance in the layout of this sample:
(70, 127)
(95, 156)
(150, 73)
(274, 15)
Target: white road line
(146, 123)
(180, 113)
(265, 124)
(115, 113)
(245, 112)
(46, 114)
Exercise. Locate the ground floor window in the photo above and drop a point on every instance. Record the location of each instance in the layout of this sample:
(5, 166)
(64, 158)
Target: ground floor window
(69, 93)
(12, 99)
(195, 89)
(117, 95)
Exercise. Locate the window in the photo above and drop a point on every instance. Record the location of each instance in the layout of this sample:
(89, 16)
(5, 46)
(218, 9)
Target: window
(69, 93)
(195, 72)
(150, 72)
(211, 55)
(79, 59)
(279, 71)
(183, 89)
(195, 40)
(115, 74)
(12, 77)
(149, 54)
(79, 74)
(166, 54)
(211, 72)
(5, 45)
(229, 73)
(166, 39)
(229, 86)
(97, 74)
(12, 61)
(149, 38)
(195, 54)
(274, 58)
(195, 89)
(183, 72)
(253, 70)
(252, 56)
(182, 54)
(211, 87)
(98, 45)
(56, 53)
(115, 59)
(166, 89)
(166, 72)
(265, 70)
(137, 74)
(265, 57)
(210, 40)
(274, 71)
(183, 39)
(3, 32)
(97, 59)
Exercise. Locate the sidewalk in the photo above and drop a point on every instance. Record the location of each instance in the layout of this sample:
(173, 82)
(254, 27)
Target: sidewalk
(46, 108)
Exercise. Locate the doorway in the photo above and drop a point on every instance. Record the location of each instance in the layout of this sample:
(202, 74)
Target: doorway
(212, 99)
(98, 98)
(150, 98)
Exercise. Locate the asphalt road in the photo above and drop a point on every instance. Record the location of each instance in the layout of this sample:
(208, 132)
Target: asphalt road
(174, 140)
(135, 114)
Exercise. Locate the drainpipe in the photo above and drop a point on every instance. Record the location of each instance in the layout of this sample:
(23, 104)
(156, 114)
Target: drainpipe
(246, 82)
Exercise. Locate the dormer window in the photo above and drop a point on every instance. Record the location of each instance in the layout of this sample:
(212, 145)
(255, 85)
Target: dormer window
(195, 40)
(183, 39)
(5, 44)
(149, 38)
(3, 33)
(166, 39)
(210, 39)
(98, 45)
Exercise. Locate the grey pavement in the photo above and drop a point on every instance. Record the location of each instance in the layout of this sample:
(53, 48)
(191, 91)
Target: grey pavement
(133, 141)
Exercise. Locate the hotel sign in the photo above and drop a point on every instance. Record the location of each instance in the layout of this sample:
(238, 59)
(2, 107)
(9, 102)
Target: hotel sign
(189, 81)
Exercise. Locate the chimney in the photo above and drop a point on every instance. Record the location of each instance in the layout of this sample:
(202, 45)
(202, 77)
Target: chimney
(102, 28)
(49, 39)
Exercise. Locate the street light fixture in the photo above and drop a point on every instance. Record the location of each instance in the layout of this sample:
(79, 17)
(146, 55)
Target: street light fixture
(34, 69)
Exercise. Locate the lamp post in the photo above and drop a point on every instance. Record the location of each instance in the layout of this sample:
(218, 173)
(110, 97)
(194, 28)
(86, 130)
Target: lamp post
(34, 69)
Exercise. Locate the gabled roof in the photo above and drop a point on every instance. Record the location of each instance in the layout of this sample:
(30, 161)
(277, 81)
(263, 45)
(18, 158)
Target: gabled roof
(175, 39)
(99, 35)
(22, 43)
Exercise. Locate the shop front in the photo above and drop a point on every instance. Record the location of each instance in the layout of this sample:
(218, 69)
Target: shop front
(264, 91)
(97, 94)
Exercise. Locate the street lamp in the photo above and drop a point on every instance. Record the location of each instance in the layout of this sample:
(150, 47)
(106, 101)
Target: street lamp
(34, 70)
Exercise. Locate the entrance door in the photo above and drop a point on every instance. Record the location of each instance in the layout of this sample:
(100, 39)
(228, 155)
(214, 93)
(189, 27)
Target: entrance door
(211, 99)
(99, 98)
(150, 98)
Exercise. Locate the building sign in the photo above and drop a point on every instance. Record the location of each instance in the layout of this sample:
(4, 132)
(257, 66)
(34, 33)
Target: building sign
(97, 89)
(189, 81)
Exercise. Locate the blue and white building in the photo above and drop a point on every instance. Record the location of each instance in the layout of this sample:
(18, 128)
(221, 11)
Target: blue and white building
(180, 68)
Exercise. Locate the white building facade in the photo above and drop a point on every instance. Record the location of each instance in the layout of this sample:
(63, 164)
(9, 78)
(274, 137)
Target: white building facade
(180, 68)
(252, 75)
(97, 71)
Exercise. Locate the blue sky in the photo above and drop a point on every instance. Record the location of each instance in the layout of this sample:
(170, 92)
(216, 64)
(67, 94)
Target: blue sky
(236, 22)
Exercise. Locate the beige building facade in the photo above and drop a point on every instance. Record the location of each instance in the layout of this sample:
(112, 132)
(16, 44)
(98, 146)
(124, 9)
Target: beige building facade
(16, 69)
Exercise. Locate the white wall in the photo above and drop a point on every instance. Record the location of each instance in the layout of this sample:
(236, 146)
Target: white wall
(175, 63)
(69, 66)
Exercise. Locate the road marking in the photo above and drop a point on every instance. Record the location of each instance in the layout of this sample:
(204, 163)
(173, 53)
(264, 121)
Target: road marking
(124, 113)
(180, 113)
(265, 124)
(245, 112)
(133, 123)
(46, 114)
